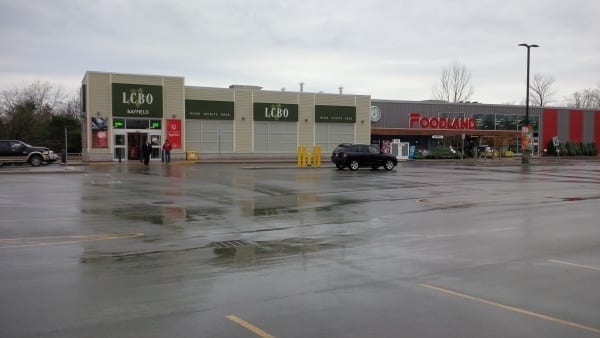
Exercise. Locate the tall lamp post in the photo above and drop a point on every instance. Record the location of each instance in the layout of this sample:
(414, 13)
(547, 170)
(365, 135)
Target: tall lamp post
(526, 154)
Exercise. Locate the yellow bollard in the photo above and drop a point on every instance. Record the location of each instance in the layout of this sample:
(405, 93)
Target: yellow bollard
(301, 156)
(316, 156)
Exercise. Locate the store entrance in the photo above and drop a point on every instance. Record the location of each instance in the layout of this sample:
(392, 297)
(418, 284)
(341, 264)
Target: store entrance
(136, 140)
(134, 145)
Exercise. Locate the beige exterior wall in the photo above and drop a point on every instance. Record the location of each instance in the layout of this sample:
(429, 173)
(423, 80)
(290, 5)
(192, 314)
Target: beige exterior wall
(208, 93)
(306, 120)
(243, 107)
(363, 119)
(99, 103)
(174, 108)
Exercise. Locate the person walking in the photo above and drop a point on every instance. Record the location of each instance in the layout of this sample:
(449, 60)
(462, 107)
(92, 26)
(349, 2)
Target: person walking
(147, 151)
(167, 146)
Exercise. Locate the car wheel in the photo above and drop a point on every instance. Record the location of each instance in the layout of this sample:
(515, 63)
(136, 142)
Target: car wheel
(35, 160)
(388, 165)
(339, 166)
(354, 165)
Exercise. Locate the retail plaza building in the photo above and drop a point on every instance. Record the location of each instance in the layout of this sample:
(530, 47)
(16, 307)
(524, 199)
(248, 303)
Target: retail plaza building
(246, 122)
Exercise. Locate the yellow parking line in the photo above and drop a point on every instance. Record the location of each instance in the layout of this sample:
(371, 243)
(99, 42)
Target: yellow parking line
(51, 240)
(249, 326)
(575, 265)
(514, 309)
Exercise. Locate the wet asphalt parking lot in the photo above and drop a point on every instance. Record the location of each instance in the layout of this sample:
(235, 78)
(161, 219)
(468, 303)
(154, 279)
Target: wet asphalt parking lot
(430, 249)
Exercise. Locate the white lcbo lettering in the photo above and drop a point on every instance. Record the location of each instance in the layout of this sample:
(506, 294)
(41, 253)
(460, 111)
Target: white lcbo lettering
(136, 98)
(276, 113)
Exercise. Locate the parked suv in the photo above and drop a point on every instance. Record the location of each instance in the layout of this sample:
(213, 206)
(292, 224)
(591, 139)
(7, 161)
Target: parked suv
(13, 151)
(355, 156)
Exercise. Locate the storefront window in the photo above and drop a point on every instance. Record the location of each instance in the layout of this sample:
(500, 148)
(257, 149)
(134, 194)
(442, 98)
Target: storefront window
(137, 124)
(99, 126)
(485, 121)
(509, 122)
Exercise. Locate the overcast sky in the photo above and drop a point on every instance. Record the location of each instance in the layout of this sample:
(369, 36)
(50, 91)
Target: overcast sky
(389, 49)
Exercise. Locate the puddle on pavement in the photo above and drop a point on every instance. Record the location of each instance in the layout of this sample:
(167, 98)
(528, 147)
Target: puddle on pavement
(576, 199)
(233, 252)
(258, 252)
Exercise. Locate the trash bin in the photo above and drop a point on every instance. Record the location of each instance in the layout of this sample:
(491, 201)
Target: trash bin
(191, 155)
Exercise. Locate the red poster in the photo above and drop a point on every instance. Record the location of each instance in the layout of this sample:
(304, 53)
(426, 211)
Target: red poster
(174, 132)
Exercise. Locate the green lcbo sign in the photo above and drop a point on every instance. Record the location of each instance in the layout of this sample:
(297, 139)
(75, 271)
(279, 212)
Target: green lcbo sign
(133, 100)
(282, 112)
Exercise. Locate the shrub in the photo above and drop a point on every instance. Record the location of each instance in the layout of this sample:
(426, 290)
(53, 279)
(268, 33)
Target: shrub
(593, 149)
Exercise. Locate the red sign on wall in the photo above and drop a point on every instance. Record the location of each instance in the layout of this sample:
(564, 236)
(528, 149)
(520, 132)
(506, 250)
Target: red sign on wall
(174, 132)
(440, 122)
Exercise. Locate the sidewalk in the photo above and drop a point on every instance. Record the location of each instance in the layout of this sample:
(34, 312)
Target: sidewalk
(78, 167)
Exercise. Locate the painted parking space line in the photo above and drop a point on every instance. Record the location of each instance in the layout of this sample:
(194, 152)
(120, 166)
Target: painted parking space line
(513, 309)
(259, 332)
(19, 242)
(589, 267)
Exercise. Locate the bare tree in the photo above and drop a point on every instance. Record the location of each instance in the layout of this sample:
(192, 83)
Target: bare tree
(26, 112)
(455, 83)
(43, 95)
(586, 99)
(541, 90)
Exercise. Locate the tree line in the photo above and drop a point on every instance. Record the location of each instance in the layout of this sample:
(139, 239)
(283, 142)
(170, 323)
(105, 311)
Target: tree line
(455, 86)
(39, 113)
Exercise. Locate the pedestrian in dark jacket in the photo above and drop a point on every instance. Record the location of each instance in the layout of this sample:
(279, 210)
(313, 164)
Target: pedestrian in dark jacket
(147, 151)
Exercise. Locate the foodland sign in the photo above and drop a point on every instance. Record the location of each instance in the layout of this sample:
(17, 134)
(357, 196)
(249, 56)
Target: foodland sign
(417, 121)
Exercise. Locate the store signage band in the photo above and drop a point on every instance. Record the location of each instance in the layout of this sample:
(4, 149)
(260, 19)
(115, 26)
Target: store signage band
(281, 112)
(209, 110)
(440, 122)
(335, 114)
(135, 100)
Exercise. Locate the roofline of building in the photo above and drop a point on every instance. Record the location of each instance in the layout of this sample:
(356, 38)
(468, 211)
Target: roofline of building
(444, 132)
(438, 102)
(132, 74)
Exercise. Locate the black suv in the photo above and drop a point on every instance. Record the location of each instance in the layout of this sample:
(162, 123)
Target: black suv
(13, 151)
(354, 156)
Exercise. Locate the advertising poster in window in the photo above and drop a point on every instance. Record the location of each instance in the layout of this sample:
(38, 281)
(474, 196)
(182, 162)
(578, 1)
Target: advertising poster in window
(526, 138)
(174, 132)
(99, 132)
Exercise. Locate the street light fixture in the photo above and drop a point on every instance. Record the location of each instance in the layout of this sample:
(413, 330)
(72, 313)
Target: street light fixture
(525, 156)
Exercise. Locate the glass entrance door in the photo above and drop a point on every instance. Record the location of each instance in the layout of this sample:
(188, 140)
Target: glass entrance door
(120, 147)
(134, 145)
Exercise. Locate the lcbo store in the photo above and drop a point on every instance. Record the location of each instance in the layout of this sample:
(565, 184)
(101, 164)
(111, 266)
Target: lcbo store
(124, 110)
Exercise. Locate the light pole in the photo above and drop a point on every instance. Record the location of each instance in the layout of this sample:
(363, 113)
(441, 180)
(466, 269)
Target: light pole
(525, 156)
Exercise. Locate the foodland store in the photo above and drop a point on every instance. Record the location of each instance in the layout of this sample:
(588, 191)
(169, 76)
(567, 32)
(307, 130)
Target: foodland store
(123, 110)
(431, 124)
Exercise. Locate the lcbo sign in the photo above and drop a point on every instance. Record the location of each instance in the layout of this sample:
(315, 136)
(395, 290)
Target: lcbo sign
(276, 113)
(441, 122)
(137, 98)
(280, 112)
